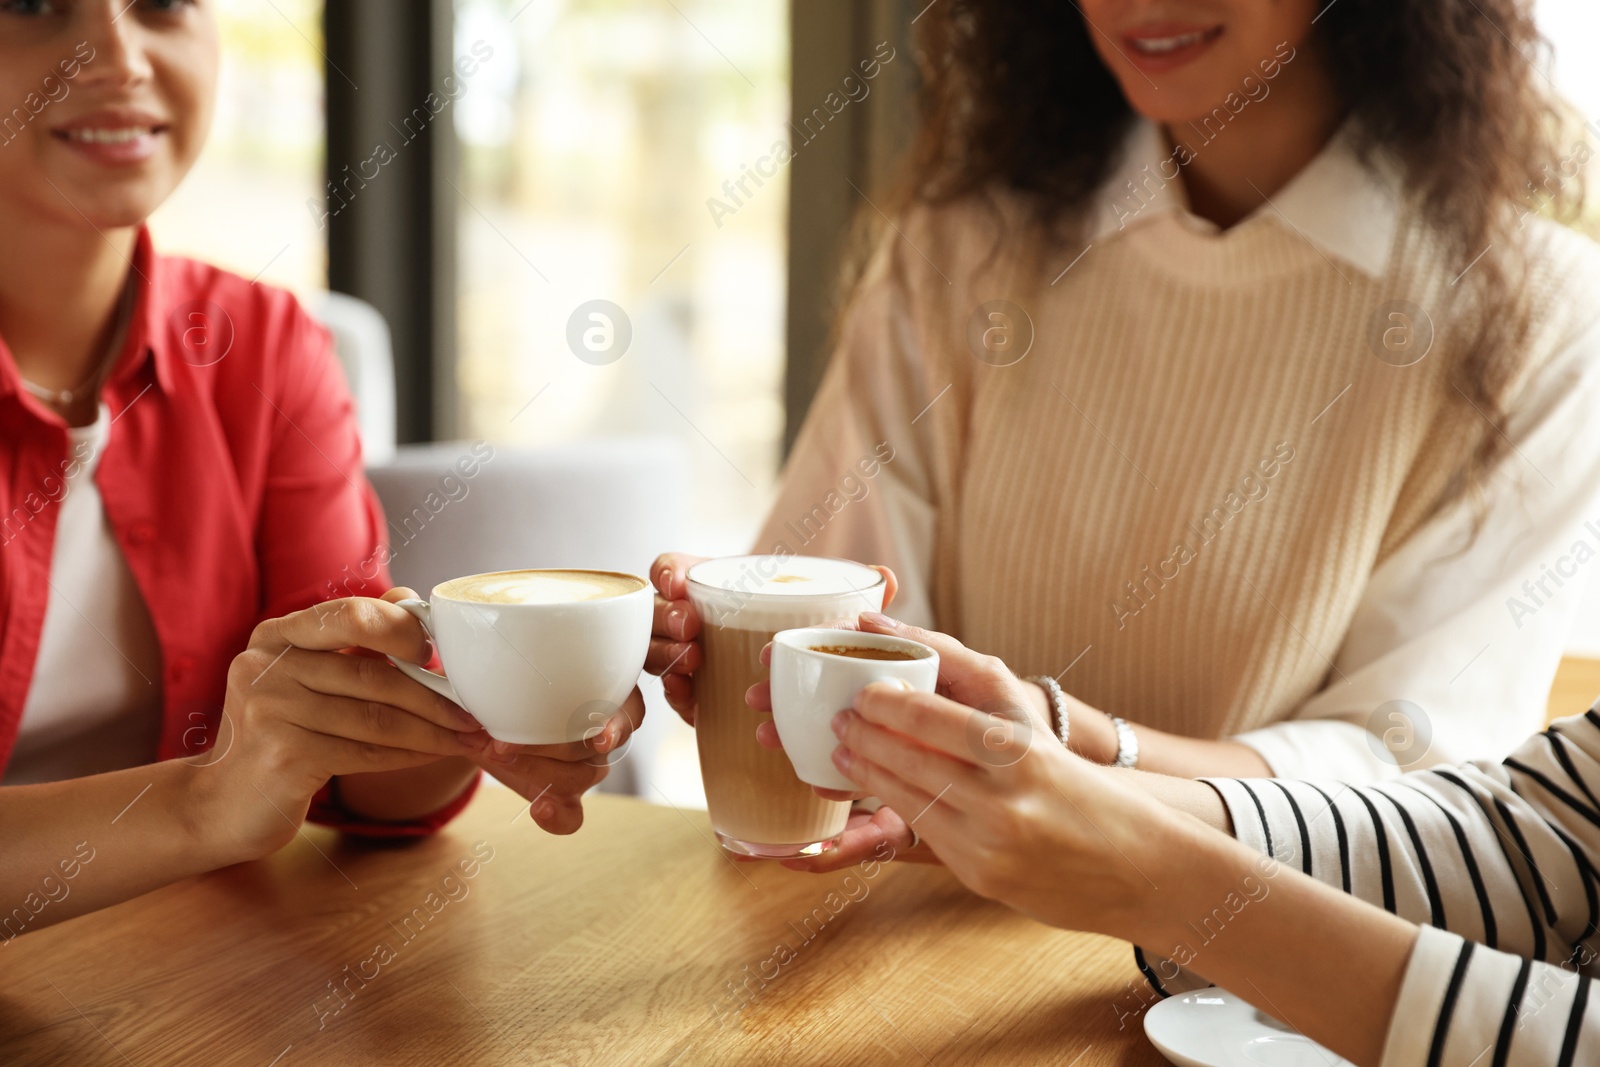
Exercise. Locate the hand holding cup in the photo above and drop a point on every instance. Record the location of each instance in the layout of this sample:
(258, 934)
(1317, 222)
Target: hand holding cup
(817, 671)
(547, 661)
(983, 683)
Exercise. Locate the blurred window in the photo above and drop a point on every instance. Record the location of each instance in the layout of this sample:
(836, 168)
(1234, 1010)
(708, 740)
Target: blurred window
(594, 136)
(1572, 27)
(244, 207)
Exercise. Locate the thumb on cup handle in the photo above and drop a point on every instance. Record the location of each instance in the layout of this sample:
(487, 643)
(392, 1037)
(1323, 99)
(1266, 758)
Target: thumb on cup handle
(437, 682)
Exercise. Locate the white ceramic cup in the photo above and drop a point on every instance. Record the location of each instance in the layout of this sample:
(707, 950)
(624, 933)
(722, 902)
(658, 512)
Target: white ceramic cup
(536, 673)
(809, 688)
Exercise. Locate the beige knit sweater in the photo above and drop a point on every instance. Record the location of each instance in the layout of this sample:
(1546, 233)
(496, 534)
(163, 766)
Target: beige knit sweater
(1200, 497)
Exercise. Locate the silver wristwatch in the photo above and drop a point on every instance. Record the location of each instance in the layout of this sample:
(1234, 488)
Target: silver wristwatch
(1127, 743)
(1058, 705)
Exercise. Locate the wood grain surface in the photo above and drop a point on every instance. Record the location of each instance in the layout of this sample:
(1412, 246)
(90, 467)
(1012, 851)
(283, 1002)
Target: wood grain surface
(635, 941)
(1576, 686)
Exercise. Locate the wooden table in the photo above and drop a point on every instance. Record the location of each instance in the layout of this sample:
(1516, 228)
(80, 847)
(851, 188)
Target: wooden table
(633, 942)
(1576, 685)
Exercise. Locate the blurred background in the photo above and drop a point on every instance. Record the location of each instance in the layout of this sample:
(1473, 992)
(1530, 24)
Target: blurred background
(477, 171)
(481, 170)
(587, 145)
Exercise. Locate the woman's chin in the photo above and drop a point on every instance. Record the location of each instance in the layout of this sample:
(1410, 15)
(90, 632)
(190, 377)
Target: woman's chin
(1180, 97)
(1166, 111)
(106, 206)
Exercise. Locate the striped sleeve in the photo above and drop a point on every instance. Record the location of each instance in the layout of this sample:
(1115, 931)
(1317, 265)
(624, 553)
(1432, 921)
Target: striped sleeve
(1503, 854)
(1463, 1004)
(1496, 861)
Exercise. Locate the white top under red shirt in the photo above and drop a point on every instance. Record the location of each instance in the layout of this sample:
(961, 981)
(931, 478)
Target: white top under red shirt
(95, 702)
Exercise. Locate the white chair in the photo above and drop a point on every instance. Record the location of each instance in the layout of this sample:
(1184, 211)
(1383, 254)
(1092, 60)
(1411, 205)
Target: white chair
(361, 340)
(607, 505)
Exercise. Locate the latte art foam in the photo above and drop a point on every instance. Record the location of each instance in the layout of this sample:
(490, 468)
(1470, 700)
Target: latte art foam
(540, 587)
(784, 576)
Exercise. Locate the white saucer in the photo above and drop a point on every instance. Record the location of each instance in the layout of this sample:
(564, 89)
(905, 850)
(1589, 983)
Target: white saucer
(1214, 1028)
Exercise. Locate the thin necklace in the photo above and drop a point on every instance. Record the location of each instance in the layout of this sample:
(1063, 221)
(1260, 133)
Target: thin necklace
(64, 398)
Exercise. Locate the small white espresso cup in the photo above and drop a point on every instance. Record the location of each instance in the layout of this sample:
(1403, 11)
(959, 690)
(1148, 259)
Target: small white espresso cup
(810, 687)
(539, 657)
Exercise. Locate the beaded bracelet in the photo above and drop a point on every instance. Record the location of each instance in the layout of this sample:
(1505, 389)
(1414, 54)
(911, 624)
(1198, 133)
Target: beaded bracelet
(1058, 705)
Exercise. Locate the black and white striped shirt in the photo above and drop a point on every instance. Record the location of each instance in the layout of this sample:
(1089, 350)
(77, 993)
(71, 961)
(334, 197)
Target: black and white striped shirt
(1500, 863)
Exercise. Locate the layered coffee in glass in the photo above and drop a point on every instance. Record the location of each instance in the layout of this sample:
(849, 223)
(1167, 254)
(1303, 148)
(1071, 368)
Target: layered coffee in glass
(758, 806)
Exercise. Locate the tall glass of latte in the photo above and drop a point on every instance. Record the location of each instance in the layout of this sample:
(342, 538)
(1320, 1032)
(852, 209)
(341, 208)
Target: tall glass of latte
(758, 806)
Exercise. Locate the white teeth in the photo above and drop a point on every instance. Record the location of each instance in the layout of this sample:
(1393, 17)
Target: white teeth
(119, 136)
(1160, 45)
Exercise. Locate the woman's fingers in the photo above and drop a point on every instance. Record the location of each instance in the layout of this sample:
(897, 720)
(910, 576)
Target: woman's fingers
(931, 771)
(673, 655)
(972, 677)
(881, 835)
(679, 691)
(670, 574)
(891, 584)
(370, 722)
(957, 731)
(673, 649)
(883, 783)
(566, 752)
(603, 734)
(538, 777)
(353, 622)
(676, 619)
(341, 755)
(667, 657)
(365, 678)
(628, 718)
(560, 815)
(767, 737)
(554, 788)
(947, 647)
(759, 696)
(994, 734)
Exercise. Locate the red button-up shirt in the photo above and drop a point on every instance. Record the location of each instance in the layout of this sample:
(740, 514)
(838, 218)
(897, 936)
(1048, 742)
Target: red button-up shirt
(231, 481)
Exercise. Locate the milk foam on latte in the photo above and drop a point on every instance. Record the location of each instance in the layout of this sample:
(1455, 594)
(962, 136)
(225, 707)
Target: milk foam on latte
(771, 592)
(791, 576)
(540, 587)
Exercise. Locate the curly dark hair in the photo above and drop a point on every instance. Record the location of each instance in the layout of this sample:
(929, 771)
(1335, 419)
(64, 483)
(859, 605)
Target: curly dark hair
(1015, 96)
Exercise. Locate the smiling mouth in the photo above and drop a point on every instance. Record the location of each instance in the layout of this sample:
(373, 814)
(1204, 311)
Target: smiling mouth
(1161, 46)
(118, 135)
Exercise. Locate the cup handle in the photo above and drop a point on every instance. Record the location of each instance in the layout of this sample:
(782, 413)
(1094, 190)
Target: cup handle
(437, 682)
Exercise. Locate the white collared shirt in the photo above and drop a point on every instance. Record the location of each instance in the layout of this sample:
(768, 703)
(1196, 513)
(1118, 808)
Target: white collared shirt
(1346, 209)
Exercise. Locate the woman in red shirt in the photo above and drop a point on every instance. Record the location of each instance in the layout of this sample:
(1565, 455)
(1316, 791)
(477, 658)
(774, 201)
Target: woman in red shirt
(181, 494)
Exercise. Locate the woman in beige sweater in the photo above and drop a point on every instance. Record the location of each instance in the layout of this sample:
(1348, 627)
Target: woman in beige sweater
(1228, 369)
